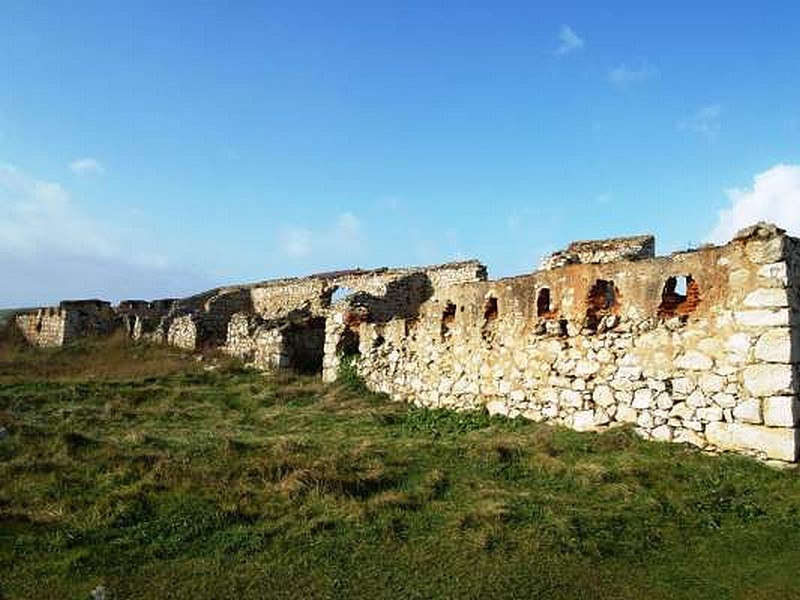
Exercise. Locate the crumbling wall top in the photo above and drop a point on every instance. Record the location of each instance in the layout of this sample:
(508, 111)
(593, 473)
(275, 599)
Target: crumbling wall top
(761, 230)
(637, 247)
(88, 304)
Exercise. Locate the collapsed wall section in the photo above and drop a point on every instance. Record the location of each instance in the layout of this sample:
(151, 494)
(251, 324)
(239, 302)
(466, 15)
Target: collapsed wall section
(699, 347)
(291, 320)
(71, 319)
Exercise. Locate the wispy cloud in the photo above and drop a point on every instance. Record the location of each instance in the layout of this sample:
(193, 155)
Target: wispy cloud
(603, 198)
(40, 216)
(569, 41)
(706, 122)
(774, 197)
(624, 74)
(341, 239)
(86, 166)
(295, 242)
(52, 249)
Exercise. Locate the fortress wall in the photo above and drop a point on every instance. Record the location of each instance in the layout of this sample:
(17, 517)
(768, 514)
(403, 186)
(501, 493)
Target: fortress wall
(713, 364)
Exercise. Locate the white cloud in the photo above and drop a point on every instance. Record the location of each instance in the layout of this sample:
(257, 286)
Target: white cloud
(295, 242)
(347, 233)
(39, 216)
(86, 166)
(341, 239)
(705, 121)
(624, 74)
(569, 41)
(51, 249)
(774, 197)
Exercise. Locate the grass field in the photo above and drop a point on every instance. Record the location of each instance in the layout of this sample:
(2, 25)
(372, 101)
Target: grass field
(136, 469)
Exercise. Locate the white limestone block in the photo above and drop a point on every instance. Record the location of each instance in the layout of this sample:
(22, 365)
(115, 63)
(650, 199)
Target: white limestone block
(623, 396)
(774, 442)
(763, 318)
(767, 298)
(533, 414)
(775, 346)
(697, 399)
(626, 414)
(686, 436)
(550, 411)
(583, 420)
(629, 373)
(694, 361)
(738, 343)
(693, 424)
(724, 400)
(497, 407)
(776, 274)
(645, 420)
(586, 368)
(571, 398)
(662, 433)
(664, 401)
(781, 411)
(711, 383)
(768, 379)
(642, 398)
(517, 396)
(709, 413)
(683, 386)
(601, 417)
(603, 396)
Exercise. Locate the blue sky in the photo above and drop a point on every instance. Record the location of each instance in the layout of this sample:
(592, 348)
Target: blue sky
(159, 148)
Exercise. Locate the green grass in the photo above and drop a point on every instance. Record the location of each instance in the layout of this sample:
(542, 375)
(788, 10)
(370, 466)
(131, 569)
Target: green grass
(192, 483)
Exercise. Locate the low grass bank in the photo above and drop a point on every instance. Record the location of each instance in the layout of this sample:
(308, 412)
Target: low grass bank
(187, 483)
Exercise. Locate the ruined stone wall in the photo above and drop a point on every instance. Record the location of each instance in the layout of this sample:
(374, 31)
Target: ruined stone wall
(603, 251)
(386, 296)
(201, 321)
(278, 299)
(182, 332)
(287, 324)
(590, 346)
(701, 347)
(145, 320)
(55, 326)
(46, 327)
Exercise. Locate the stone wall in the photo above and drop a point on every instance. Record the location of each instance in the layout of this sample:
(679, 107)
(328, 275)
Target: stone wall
(603, 251)
(290, 319)
(713, 362)
(44, 327)
(71, 319)
(700, 347)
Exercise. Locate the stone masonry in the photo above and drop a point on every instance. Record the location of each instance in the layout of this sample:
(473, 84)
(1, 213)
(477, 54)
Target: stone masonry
(699, 347)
